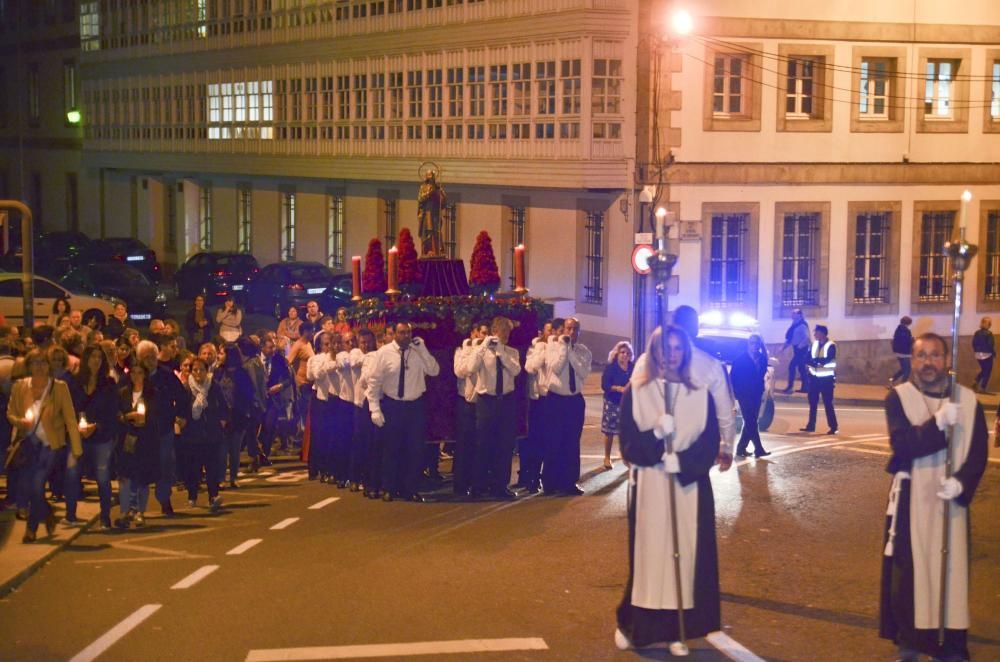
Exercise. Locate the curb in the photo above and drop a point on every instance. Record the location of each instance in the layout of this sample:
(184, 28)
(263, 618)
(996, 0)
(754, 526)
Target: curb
(14, 582)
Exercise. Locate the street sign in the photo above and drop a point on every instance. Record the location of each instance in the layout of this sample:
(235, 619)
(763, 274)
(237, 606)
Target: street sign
(641, 255)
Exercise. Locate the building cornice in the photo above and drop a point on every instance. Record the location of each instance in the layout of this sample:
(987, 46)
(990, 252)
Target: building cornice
(765, 28)
(764, 174)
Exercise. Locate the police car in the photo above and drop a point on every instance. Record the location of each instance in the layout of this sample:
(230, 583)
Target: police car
(724, 335)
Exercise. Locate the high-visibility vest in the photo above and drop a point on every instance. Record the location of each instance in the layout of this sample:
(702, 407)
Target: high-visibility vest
(818, 351)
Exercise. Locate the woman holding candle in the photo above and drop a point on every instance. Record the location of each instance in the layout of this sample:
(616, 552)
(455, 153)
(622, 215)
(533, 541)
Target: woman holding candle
(41, 411)
(139, 456)
(97, 404)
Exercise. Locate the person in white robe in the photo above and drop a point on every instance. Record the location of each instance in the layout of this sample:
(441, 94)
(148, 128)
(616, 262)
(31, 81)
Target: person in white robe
(921, 418)
(664, 445)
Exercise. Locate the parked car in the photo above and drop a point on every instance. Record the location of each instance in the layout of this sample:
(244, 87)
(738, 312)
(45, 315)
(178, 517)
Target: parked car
(216, 275)
(123, 249)
(55, 253)
(277, 287)
(142, 296)
(724, 336)
(46, 292)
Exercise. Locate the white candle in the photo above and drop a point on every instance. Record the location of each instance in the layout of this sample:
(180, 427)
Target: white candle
(83, 422)
(661, 216)
(141, 408)
(29, 415)
(966, 198)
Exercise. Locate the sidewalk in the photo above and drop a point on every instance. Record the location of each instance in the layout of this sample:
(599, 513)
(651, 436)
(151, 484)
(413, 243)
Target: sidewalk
(19, 561)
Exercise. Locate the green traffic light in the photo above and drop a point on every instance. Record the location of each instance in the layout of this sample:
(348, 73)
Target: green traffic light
(73, 116)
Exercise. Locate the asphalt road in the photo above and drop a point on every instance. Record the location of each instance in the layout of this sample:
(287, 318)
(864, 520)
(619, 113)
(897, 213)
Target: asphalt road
(799, 538)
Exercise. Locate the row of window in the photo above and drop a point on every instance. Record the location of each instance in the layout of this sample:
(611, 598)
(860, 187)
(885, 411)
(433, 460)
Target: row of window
(452, 103)
(948, 88)
(873, 252)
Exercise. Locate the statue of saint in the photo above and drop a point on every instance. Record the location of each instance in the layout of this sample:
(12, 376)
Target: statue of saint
(430, 202)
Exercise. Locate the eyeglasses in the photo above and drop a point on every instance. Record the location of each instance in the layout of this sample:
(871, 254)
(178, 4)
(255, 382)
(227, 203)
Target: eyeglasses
(933, 356)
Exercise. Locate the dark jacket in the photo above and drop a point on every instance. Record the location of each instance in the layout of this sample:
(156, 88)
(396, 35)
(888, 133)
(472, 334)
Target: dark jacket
(195, 334)
(100, 408)
(174, 399)
(614, 376)
(238, 393)
(748, 377)
(207, 429)
(982, 341)
(143, 464)
(902, 340)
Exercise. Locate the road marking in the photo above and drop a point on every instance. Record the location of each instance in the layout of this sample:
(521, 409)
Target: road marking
(195, 577)
(285, 523)
(874, 408)
(323, 503)
(872, 451)
(398, 650)
(244, 546)
(108, 639)
(731, 648)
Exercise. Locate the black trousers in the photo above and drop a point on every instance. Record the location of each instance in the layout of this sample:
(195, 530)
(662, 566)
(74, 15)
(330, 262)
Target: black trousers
(198, 457)
(465, 445)
(404, 436)
(532, 448)
(361, 445)
(562, 444)
(985, 370)
(750, 408)
(821, 387)
(800, 359)
(496, 421)
(342, 424)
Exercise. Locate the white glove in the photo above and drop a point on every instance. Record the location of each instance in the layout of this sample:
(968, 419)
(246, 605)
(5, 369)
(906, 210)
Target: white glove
(950, 488)
(946, 416)
(664, 426)
(417, 342)
(671, 463)
(378, 418)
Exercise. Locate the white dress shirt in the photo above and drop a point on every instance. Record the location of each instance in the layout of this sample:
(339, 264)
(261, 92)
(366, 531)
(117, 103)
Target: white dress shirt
(349, 369)
(466, 377)
(317, 375)
(361, 386)
(708, 371)
(534, 365)
(384, 379)
(484, 362)
(562, 357)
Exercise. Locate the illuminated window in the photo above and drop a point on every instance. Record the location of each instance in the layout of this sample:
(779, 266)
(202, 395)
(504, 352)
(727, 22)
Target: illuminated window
(875, 88)
(205, 218)
(335, 232)
(90, 26)
(938, 88)
(287, 226)
(244, 219)
(239, 110)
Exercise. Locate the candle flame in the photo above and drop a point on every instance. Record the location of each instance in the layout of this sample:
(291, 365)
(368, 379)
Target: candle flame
(966, 195)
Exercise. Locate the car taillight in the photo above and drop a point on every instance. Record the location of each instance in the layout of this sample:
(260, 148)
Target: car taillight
(120, 258)
(296, 286)
(220, 272)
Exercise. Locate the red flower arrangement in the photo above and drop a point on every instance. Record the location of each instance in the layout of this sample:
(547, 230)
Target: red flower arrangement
(483, 270)
(373, 278)
(409, 268)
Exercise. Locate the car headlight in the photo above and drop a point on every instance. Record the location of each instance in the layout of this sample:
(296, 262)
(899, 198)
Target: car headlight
(712, 318)
(161, 297)
(742, 320)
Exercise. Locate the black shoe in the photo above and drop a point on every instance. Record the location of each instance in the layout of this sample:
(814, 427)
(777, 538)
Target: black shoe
(803, 390)
(50, 523)
(29, 537)
(761, 454)
(832, 431)
(387, 497)
(416, 498)
(532, 489)
(575, 491)
(504, 494)
(742, 454)
(807, 429)
(786, 390)
(233, 485)
(341, 484)
(168, 511)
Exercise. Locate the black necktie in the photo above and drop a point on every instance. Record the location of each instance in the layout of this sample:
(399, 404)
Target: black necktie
(402, 374)
(572, 380)
(499, 377)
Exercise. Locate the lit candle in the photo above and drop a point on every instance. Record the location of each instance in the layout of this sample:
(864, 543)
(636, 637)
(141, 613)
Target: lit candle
(661, 217)
(141, 408)
(966, 198)
(519, 268)
(356, 278)
(83, 422)
(29, 415)
(393, 271)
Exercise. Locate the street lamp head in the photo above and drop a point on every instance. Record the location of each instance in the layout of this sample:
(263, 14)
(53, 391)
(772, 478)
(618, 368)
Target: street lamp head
(681, 23)
(966, 195)
(73, 116)
(661, 213)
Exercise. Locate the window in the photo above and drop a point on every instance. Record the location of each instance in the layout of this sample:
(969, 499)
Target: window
(800, 90)
(799, 272)
(455, 104)
(726, 258)
(498, 90)
(241, 110)
(728, 90)
(69, 87)
(593, 286)
(871, 239)
(934, 265)
(205, 217)
(244, 219)
(396, 95)
(34, 109)
(938, 90)
(335, 232)
(415, 84)
(360, 97)
(90, 26)
(378, 96)
(545, 77)
(875, 86)
(991, 291)
(517, 222)
(388, 224)
(569, 77)
(606, 98)
(995, 90)
(449, 217)
(435, 93)
(477, 91)
(521, 88)
(287, 226)
(732, 95)
(878, 89)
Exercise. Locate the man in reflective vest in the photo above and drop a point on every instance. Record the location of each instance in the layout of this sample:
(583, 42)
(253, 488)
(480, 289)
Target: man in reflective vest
(822, 374)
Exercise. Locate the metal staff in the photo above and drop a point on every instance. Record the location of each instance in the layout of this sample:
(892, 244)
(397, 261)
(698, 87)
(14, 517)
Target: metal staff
(663, 265)
(961, 253)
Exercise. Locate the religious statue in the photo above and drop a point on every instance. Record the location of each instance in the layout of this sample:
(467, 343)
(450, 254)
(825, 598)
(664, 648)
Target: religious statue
(430, 202)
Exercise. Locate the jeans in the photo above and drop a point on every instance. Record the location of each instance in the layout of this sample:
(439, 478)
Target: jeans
(231, 448)
(168, 464)
(985, 369)
(132, 496)
(800, 359)
(98, 455)
(903, 374)
(33, 481)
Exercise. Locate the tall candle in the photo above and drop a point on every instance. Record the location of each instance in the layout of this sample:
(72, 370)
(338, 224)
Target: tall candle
(519, 268)
(356, 278)
(966, 197)
(393, 270)
(661, 217)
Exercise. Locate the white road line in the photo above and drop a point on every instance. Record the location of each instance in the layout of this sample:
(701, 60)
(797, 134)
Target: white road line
(398, 650)
(195, 577)
(108, 639)
(285, 523)
(244, 546)
(731, 648)
(873, 408)
(323, 503)
(872, 451)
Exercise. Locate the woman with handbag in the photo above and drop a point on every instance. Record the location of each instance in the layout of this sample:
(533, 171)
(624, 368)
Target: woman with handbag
(41, 411)
(96, 400)
(139, 456)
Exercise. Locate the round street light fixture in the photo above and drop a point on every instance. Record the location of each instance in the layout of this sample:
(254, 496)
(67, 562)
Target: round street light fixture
(73, 116)
(681, 23)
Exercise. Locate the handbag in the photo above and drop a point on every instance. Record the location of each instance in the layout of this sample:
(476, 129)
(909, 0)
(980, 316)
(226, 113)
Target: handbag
(21, 452)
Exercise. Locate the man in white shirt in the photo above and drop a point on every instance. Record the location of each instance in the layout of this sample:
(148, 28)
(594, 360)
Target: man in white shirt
(366, 467)
(319, 408)
(343, 407)
(496, 366)
(463, 462)
(569, 363)
(395, 396)
(531, 450)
